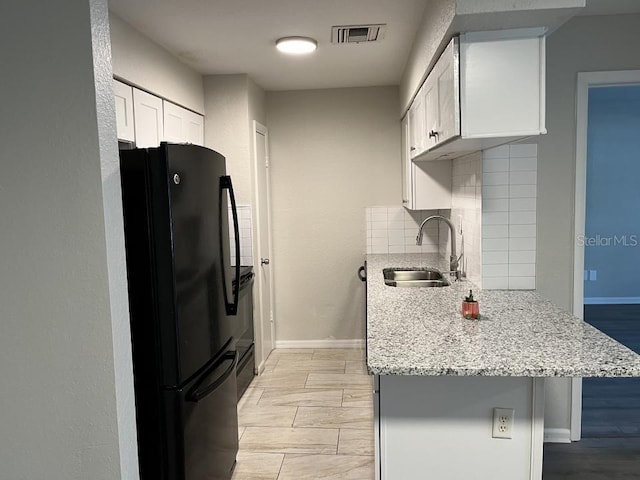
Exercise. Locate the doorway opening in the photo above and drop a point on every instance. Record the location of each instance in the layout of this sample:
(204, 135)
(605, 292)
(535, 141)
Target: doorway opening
(607, 253)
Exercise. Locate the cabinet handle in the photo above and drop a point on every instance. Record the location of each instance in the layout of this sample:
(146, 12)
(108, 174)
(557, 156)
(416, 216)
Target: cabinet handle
(412, 148)
(433, 133)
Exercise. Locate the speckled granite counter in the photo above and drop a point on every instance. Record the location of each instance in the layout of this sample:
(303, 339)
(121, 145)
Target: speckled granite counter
(420, 331)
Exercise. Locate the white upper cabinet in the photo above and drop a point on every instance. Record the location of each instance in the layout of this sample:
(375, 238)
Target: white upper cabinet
(182, 125)
(425, 185)
(486, 89)
(123, 95)
(148, 119)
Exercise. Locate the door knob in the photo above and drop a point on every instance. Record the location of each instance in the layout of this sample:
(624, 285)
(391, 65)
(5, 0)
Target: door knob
(264, 261)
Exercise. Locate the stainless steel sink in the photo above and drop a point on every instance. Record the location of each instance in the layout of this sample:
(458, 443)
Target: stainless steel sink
(414, 277)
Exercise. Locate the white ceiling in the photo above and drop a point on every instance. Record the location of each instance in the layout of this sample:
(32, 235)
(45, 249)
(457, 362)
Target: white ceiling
(238, 36)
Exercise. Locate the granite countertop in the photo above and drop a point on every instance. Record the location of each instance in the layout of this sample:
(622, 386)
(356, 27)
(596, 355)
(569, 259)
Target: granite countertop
(420, 331)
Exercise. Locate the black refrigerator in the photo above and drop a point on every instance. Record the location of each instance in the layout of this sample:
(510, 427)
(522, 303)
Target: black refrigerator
(183, 304)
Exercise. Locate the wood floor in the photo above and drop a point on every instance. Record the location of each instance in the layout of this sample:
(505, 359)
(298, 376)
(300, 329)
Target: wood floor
(611, 406)
(310, 415)
(610, 449)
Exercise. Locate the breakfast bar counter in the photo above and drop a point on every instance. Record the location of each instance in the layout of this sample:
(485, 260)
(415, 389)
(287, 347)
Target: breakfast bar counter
(442, 381)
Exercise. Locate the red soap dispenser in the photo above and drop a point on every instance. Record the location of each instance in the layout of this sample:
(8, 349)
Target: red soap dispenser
(470, 307)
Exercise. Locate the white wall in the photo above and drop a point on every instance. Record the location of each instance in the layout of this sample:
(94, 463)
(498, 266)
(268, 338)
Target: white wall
(62, 288)
(232, 102)
(141, 62)
(333, 153)
(583, 44)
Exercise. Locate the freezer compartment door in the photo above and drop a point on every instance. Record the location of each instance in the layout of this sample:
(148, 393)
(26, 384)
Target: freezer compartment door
(202, 424)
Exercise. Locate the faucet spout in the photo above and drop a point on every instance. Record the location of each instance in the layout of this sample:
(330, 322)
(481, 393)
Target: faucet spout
(453, 259)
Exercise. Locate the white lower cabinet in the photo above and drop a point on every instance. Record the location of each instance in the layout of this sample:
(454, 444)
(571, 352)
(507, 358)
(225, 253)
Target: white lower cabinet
(440, 428)
(182, 125)
(148, 119)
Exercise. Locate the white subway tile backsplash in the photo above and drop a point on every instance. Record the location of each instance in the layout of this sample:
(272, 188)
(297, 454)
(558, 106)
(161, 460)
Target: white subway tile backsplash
(397, 249)
(518, 231)
(523, 150)
(495, 218)
(395, 224)
(490, 165)
(522, 218)
(495, 231)
(496, 178)
(525, 164)
(522, 191)
(522, 178)
(245, 230)
(495, 283)
(494, 191)
(379, 217)
(379, 233)
(495, 270)
(496, 152)
(522, 244)
(495, 258)
(509, 217)
(522, 283)
(522, 270)
(495, 205)
(524, 256)
(522, 204)
(495, 244)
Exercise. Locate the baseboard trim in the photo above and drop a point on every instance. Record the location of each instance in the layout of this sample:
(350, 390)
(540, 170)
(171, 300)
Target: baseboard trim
(611, 300)
(557, 435)
(355, 343)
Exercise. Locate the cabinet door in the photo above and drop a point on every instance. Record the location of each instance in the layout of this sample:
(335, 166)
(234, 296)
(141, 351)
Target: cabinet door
(148, 119)
(182, 125)
(416, 124)
(123, 96)
(407, 164)
(431, 112)
(448, 87)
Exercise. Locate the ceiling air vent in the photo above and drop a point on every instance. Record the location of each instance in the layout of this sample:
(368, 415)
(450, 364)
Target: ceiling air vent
(357, 33)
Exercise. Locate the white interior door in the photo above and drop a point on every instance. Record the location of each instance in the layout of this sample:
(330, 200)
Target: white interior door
(264, 312)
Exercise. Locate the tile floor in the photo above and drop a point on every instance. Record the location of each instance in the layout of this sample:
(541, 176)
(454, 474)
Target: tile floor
(309, 415)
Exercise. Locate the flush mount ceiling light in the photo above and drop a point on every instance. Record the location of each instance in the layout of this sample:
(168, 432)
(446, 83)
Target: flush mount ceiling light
(296, 45)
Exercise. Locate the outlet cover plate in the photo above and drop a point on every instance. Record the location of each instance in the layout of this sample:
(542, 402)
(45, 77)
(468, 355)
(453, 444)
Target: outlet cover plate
(502, 422)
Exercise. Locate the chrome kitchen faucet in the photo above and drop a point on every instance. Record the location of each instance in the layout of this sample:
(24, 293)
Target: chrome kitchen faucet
(454, 260)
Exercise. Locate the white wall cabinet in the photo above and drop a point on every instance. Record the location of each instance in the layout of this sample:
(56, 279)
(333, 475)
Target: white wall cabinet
(148, 119)
(486, 89)
(425, 185)
(182, 125)
(123, 95)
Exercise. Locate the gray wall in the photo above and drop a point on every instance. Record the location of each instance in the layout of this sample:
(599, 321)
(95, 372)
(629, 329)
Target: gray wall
(141, 62)
(333, 153)
(66, 402)
(583, 44)
(612, 232)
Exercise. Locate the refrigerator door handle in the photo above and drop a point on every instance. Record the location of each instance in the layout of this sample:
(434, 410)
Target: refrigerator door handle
(198, 392)
(231, 307)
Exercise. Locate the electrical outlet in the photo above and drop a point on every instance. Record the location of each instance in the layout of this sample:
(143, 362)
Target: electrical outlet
(502, 422)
